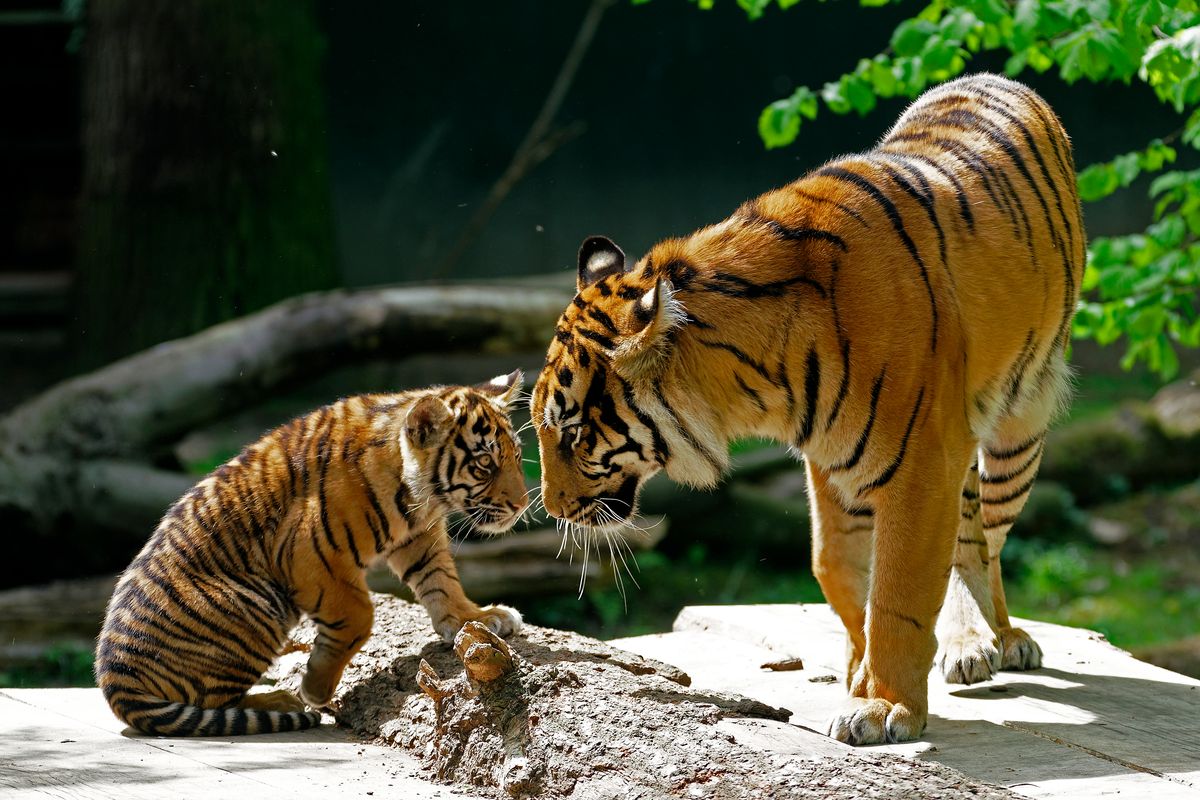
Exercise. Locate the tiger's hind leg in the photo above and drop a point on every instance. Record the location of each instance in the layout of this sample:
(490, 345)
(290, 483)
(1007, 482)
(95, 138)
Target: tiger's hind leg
(1011, 456)
(841, 560)
(1011, 461)
(967, 629)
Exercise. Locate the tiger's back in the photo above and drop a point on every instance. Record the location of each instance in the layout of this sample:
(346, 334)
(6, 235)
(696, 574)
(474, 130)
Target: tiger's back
(287, 528)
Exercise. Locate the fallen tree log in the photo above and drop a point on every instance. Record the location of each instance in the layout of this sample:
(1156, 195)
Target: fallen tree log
(81, 457)
(551, 714)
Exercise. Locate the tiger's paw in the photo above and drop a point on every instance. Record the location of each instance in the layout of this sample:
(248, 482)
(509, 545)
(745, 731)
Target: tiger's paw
(1020, 650)
(875, 721)
(971, 656)
(499, 619)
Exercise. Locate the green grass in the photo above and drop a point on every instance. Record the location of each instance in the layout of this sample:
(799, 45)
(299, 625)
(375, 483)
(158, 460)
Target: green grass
(58, 667)
(1133, 603)
(667, 584)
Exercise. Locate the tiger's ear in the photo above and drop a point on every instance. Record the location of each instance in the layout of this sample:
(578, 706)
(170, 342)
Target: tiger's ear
(598, 258)
(645, 339)
(503, 389)
(428, 422)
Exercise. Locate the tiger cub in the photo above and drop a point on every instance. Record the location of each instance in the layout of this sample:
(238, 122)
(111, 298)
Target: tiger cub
(288, 527)
(899, 317)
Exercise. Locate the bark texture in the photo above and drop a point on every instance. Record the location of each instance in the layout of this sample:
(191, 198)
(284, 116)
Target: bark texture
(551, 714)
(205, 187)
(79, 460)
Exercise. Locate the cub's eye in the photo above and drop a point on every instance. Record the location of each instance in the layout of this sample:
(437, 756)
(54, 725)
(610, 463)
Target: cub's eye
(482, 466)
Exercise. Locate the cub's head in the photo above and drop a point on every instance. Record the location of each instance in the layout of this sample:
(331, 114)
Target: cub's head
(460, 444)
(597, 443)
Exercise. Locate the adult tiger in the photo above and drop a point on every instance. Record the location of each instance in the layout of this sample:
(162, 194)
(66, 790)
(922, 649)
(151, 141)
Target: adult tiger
(290, 526)
(900, 318)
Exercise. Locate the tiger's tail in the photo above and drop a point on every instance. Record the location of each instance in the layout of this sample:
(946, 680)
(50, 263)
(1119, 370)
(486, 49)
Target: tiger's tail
(160, 717)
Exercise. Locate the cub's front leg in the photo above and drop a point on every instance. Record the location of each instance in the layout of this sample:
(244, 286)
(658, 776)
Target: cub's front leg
(426, 566)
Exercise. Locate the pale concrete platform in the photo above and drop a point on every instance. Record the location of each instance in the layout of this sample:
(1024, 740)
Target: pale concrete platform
(66, 743)
(1093, 722)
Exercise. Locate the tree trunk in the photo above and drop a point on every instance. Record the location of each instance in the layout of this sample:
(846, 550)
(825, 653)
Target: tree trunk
(76, 462)
(205, 191)
(552, 714)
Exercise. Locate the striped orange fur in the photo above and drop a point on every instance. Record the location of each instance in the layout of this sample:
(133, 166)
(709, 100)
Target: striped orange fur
(899, 317)
(288, 527)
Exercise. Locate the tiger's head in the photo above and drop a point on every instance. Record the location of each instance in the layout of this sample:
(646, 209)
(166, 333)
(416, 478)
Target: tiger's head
(597, 444)
(460, 446)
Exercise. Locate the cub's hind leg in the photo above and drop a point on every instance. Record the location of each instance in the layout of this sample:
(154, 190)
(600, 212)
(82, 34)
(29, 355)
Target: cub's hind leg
(340, 606)
(841, 560)
(967, 630)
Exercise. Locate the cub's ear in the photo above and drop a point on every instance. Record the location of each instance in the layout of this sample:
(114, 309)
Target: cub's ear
(598, 258)
(645, 338)
(504, 389)
(428, 422)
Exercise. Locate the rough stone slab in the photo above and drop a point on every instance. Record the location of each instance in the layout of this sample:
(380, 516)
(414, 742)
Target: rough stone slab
(1093, 722)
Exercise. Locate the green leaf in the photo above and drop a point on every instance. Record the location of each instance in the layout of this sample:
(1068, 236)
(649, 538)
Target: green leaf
(779, 124)
(834, 95)
(911, 35)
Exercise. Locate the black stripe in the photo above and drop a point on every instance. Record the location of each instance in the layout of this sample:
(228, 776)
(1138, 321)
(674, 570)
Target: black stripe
(890, 472)
(751, 393)
(421, 563)
(926, 202)
(960, 194)
(812, 388)
(1016, 473)
(801, 234)
(1012, 495)
(736, 286)
(845, 209)
(741, 356)
(685, 432)
(661, 450)
(599, 338)
(911, 620)
(861, 445)
(853, 178)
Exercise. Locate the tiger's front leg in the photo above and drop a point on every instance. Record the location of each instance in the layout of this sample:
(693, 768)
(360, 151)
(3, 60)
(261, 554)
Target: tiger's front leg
(916, 515)
(425, 564)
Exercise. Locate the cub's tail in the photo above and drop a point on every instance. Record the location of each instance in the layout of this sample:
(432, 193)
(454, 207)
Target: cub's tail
(161, 717)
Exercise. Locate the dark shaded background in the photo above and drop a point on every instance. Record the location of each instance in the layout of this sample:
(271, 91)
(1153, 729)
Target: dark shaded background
(426, 104)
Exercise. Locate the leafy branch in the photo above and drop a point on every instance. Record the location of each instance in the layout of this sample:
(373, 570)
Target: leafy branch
(1141, 286)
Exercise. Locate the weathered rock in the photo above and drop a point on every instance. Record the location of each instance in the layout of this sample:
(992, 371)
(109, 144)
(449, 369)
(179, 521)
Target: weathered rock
(552, 714)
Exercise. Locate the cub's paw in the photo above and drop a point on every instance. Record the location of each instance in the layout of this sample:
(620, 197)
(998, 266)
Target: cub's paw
(875, 721)
(316, 690)
(969, 657)
(500, 620)
(1020, 650)
(278, 700)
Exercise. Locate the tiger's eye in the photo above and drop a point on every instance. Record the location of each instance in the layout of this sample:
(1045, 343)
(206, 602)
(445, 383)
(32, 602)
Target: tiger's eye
(485, 461)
